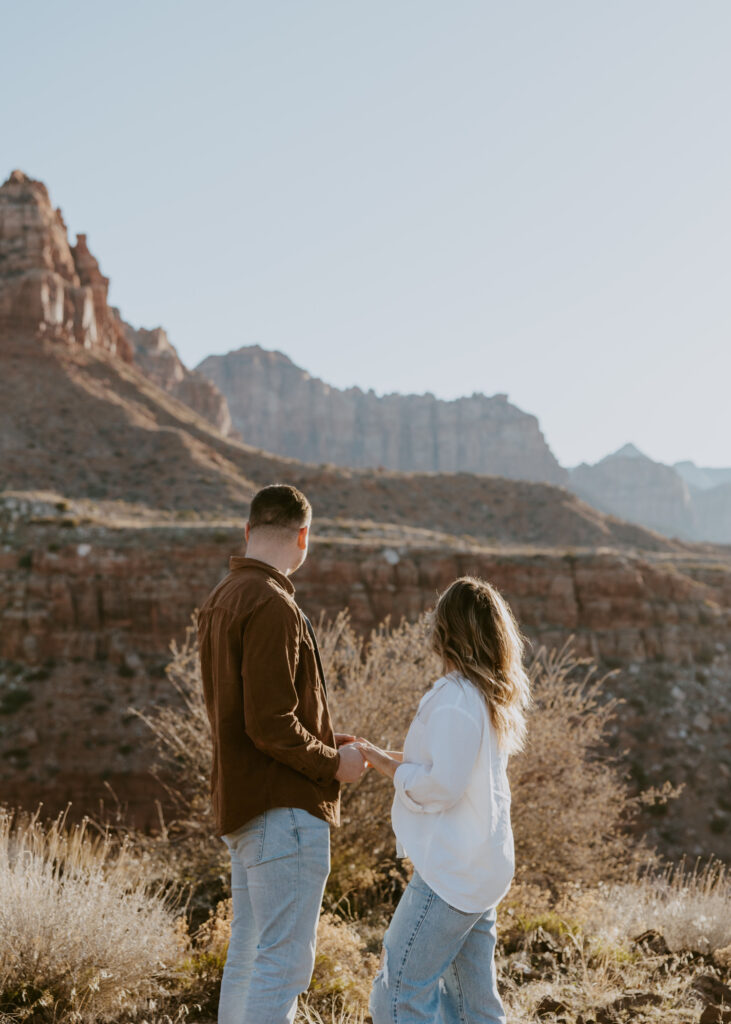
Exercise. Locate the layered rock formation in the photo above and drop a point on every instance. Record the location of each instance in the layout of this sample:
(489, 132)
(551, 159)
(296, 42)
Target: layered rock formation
(679, 501)
(52, 291)
(47, 289)
(76, 587)
(278, 406)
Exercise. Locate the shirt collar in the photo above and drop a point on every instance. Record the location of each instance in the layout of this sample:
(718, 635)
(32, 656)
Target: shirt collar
(443, 680)
(242, 562)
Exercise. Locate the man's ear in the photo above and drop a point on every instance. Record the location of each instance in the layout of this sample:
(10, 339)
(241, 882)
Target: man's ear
(302, 537)
(247, 532)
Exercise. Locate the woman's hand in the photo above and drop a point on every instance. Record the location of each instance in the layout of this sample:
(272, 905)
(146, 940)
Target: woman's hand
(381, 760)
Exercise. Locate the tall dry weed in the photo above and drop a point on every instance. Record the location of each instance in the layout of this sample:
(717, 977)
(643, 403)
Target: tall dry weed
(690, 908)
(571, 799)
(82, 935)
(182, 735)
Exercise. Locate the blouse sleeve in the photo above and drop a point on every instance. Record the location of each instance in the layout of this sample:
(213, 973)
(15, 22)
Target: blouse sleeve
(452, 741)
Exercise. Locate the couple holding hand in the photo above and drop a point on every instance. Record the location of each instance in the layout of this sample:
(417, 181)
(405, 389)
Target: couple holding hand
(276, 776)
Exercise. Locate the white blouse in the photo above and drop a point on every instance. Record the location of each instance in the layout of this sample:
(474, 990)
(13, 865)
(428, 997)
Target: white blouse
(451, 811)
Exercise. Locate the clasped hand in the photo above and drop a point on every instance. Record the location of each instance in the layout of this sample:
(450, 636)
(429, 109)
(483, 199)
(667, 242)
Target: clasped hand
(358, 754)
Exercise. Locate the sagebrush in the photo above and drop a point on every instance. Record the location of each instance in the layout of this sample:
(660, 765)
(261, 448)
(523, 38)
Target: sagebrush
(83, 935)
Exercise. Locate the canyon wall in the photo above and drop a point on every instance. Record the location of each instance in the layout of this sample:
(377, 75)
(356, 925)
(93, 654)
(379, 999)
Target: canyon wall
(88, 608)
(277, 406)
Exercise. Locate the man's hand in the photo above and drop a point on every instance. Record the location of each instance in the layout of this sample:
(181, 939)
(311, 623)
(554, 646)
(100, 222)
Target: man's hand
(351, 765)
(341, 738)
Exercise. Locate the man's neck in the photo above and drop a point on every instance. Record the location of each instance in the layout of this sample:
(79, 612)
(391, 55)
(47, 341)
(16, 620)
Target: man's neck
(269, 557)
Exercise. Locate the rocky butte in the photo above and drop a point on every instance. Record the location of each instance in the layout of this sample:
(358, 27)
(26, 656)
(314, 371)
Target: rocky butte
(276, 405)
(119, 506)
(52, 291)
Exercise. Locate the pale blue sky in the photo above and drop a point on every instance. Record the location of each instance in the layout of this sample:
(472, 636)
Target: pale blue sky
(410, 195)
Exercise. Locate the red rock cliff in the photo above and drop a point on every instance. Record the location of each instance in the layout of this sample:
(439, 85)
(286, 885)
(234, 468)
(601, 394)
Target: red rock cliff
(51, 290)
(48, 289)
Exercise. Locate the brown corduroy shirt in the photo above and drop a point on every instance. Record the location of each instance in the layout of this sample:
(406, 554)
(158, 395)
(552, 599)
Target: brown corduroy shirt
(273, 741)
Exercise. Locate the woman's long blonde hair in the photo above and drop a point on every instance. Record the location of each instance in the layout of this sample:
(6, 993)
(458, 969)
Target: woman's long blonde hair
(475, 633)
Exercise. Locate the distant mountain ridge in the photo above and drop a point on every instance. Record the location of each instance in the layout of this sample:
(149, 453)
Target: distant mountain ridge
(51, 291)
(702, 477)
(277, 405)
(683, 500)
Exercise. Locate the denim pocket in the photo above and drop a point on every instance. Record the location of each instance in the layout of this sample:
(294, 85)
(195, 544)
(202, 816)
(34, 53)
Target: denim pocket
(247, 842)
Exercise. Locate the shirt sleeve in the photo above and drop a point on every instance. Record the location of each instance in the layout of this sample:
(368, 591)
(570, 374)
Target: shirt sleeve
(270, 653)
(453, 739)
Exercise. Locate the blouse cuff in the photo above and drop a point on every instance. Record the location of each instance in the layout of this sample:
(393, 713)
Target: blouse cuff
(400, 780)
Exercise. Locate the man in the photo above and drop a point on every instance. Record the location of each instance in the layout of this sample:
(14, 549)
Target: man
(277, 765)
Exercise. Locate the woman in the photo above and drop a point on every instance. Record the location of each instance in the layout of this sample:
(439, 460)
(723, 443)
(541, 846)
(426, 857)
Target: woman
(451, 816)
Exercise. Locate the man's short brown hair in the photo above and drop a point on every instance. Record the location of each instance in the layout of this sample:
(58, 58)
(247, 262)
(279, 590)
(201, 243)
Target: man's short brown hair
(279, 506)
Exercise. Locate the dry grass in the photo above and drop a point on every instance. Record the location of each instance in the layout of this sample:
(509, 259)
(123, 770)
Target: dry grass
(609, 989)
(343, 971)
(82, 935)
(571, 798)
(691, 909)
(182, 735)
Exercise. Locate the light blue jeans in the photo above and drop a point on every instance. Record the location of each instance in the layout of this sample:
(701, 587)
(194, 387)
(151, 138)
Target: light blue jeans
(280, 861)
(438, 966)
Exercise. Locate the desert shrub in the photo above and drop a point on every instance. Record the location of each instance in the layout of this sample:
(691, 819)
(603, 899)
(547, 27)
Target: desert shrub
(337, 1013)
(82, 934)
(374, 687)
(13, 700)
(199, 979)
(343, 972)
(691, 909)
(182, 735)
(571, 800)
(186, 847)
(621, 952)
